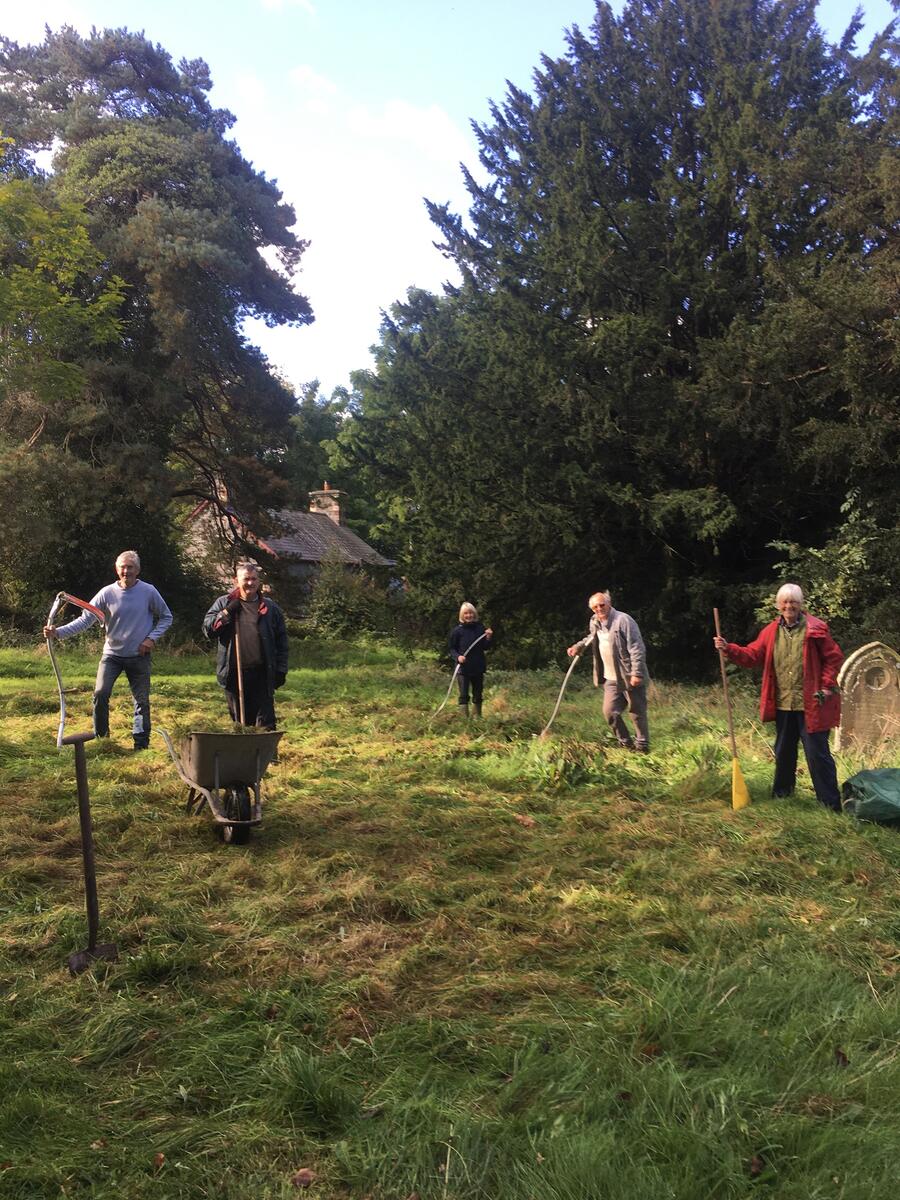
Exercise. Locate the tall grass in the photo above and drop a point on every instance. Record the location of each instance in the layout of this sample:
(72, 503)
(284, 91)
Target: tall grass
(455, 961)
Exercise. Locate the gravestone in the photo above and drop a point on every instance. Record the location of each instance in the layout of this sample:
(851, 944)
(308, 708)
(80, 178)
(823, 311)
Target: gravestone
(870, 705)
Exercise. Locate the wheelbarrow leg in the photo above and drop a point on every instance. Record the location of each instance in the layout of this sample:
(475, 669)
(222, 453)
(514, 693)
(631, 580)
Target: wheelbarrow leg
(83, 958)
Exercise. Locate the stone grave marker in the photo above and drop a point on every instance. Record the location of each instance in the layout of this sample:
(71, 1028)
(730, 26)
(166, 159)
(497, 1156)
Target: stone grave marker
(870, 705)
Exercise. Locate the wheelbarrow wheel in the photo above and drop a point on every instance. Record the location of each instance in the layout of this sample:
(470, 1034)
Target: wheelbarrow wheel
(237, 805)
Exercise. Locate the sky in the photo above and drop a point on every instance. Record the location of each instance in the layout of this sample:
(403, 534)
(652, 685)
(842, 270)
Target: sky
(358, 109)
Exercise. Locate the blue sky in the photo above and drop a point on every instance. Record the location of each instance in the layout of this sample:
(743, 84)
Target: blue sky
(358, 108)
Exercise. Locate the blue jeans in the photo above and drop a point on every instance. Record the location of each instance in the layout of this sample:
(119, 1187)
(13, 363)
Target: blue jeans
(790, 730)
(137, 672)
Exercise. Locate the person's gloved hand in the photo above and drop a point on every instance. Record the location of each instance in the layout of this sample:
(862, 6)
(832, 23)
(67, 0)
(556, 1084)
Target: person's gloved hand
(280, 679)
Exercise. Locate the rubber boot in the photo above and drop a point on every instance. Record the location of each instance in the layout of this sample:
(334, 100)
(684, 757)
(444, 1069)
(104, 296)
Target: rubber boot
(465, 708)
(477, 708)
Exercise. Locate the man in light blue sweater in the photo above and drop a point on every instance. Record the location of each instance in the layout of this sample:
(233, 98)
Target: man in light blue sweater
(136, 618)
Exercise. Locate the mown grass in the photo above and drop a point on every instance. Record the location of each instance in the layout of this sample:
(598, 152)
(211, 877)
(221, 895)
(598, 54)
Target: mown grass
(454, 962)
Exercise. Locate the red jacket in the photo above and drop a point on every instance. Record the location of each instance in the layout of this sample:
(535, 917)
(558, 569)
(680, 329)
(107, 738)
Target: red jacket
(822, 658)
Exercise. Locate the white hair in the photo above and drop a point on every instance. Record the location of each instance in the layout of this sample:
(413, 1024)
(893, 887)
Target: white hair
(790, 591)
(133, 555)
(596, 596)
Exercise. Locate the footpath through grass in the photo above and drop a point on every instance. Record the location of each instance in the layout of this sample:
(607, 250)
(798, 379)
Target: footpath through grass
(454, 962)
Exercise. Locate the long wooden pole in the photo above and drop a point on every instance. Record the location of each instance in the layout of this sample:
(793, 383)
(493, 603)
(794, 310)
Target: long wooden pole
(740, 796)
(240, 673)
(725, 686)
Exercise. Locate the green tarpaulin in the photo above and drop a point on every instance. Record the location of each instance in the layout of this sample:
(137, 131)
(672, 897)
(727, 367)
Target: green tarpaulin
(874, 795)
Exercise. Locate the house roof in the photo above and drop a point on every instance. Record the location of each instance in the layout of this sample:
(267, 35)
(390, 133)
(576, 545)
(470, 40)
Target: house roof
(313, 537)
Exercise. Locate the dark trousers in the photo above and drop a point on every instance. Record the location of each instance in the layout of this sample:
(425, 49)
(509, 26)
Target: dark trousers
(477, 684)
(137, 672)
(790, 730)
(259, 704)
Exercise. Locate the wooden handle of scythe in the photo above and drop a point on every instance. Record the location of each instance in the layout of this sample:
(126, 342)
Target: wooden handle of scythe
(240, 672)
(725, 686)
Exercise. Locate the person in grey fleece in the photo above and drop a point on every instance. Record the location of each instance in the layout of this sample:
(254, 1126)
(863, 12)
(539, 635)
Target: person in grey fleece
(136, 618)
(620, 661)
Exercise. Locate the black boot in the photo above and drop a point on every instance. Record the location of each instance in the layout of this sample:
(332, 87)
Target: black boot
(477, 708)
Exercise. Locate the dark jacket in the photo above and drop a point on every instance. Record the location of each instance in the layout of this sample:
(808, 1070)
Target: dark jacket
(822, 658)
(273, 638)
(461, 639)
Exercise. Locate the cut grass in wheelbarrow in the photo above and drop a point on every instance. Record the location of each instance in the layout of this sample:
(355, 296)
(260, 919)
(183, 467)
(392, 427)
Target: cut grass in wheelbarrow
(224, 771)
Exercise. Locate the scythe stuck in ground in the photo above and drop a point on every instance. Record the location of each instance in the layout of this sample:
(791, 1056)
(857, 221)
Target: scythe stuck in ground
(82, 959)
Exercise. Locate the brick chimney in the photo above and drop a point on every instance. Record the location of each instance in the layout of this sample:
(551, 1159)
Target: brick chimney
(328, 503)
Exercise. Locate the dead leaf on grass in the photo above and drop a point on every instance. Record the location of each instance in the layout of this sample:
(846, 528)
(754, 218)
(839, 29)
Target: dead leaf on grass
(303, 1178)
(524, 820)
(159, 1161)
(757, 1165)
(840, 1057)
(650, 1050)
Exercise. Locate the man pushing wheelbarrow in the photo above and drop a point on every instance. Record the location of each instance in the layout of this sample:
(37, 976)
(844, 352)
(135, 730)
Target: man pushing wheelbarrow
(252, 658)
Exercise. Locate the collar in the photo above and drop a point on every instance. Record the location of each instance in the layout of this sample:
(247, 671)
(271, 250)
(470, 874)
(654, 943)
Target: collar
(801, 620)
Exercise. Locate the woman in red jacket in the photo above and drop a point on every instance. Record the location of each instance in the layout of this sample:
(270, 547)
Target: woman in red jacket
(800, 662)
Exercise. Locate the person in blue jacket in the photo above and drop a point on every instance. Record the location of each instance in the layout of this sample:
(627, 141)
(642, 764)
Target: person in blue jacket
(470, 657)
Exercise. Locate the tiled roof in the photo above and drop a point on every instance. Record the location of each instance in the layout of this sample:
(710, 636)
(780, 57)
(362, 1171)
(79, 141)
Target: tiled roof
(313, 537)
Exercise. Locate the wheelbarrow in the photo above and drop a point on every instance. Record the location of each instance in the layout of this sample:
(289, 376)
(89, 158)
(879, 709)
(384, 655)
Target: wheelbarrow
(224, 771)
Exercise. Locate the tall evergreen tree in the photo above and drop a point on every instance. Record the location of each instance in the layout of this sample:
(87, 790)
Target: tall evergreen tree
(182, 400)
(632, 294)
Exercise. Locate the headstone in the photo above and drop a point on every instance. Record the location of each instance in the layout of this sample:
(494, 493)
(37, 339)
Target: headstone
(870, 704)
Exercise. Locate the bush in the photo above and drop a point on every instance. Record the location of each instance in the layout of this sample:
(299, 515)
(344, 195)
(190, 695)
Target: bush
(345, 602)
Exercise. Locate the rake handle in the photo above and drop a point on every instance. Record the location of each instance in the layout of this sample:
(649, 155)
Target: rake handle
(725, 686)
(240, 672)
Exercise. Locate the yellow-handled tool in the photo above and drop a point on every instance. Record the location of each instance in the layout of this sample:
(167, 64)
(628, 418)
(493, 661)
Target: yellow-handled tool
(740, 797)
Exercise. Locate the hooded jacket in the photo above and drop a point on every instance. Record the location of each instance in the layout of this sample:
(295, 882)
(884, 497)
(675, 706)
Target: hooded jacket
(822, 658)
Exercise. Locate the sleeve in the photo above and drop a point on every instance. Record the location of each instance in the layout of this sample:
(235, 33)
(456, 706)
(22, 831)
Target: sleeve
(279, 633)
(637, 651)
(832, 657)
(211, 627)
(160, 610)
(751, 655)
(453, 644)
(83, 621)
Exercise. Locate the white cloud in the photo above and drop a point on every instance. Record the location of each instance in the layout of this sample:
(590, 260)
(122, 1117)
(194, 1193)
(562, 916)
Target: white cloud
(308, 80)
(251, 91)
(357, 177)
(430, 130)
(316, 91)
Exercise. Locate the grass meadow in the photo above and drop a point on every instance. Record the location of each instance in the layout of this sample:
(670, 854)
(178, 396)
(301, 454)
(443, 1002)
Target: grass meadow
(455, 963)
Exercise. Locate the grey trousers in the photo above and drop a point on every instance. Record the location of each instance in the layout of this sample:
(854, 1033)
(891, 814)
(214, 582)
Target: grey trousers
(616, 700)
